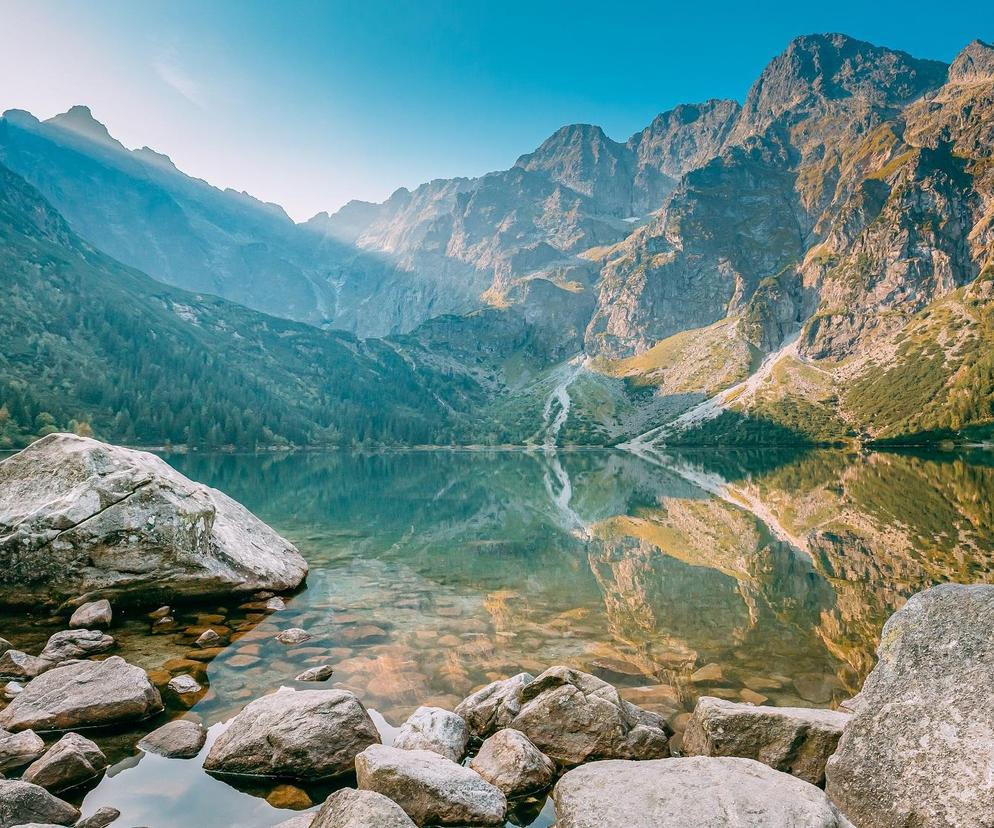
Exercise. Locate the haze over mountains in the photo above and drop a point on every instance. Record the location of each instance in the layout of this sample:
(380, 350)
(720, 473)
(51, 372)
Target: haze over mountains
(815, 264)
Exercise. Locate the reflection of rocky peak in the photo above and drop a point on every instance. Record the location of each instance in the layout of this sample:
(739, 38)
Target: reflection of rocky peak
(975, 63)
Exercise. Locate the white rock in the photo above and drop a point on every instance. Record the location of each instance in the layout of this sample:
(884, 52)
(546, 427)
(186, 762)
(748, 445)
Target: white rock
(435, 729)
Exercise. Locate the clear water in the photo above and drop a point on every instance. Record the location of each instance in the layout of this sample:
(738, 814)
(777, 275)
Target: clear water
(757, 575)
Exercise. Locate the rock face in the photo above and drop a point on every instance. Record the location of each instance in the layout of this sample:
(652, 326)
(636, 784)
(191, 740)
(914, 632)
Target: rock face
(349, 808)
(434, 729)
(920, 746)
(179, 739)
(574, 717)
(83, 694)
(701, 792)
(307, 734)
(22, 803)
(431, 789)
(510, 762)
(71, 760)
(794, 740)
(19, 749)
(72, 644)
(492, 707)
(91, 615)
(79, 516)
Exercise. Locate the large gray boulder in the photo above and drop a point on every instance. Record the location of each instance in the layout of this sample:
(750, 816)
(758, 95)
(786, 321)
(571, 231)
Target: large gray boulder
(22, 803)
(79, 516)
(72, 644)
(179, 739)
(91, 615)
(492, 707)
(19, 749)
(304, 734)
(920, 746)
(69, 762)
(795, 740)
(573, 717)
(431, 789)
(432, 728)
(509, 761)
(702, 792)
(349, 808)
(83, 694)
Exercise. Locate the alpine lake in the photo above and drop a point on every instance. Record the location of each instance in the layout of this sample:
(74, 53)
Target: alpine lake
(761, 575)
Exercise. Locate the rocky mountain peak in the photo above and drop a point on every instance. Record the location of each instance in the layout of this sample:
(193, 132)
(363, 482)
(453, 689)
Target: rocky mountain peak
(79, 120)
(975, 63)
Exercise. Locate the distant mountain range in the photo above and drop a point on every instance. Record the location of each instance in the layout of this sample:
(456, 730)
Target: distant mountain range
(816, 264)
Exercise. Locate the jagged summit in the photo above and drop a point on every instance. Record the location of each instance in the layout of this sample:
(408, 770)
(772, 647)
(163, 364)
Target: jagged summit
(79, 120)
(975, 63)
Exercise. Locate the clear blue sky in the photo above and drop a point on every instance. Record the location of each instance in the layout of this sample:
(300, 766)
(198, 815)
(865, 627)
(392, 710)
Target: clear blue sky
(311, 104)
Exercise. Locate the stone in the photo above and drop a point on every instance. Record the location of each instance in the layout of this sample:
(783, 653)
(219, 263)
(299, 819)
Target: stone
(80, 516)
(179, 739)
(22, 803)
(160, 613)
(100, 818)
(322, 673)
(17, 664)
(435, 729)
(920, 747)
(431, 789)
(186, 689)
(294, 635)
(289, 797)
(795, 740)
(19, 749)
(491, 708)
(300, 821)
(83, 694)
(208, 639)
(304, 734)
(349, 808)
(72, 644)
(275, 604)
(707, 674)
(11, 689)
(509, 761)
(701, 791)
(5, 645)
(70, 761)
(92, 615)
(574, 717)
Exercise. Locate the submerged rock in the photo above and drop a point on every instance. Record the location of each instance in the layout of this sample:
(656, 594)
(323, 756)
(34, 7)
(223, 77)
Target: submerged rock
(83, 694)
(920, 746)
(92, 615)
(179, 739)
(349, 808)
(434, 729)
(22, 803)
(304, 734)
(431, 789)
(80, 516)
(322, 673)
(702, 792)
(19, 749)
(795, 740)
(72, 644)
(574, 717)
(71, 760)
(509, 761)
(294, 635)
(491, 708)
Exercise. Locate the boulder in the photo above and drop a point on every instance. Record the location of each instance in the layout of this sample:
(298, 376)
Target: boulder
(19, 749)
(11, 689)
(349, 808)
(322, 673)
(574, 717)
(72, 644)
(492, 707)
(920, 747)
(179, 739)
(71, 760)
(294, 635)
(700, 791)
(431, 789)
(92, 615)
(509, 761)
(16, 664)
(305, 734)
(299, 821)
(83, 694)
(795, 740)
(184, 690)
(100, 818)
(208, 638)
(22, 803)
(79, 516)
(435, 729)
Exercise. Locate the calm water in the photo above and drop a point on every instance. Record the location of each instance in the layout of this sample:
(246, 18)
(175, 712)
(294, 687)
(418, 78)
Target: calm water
(761, 575)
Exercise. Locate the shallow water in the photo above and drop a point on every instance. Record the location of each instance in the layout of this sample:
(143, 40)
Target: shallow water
(757, 575)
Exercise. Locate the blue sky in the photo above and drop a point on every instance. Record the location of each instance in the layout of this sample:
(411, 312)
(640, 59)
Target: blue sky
(311, 104)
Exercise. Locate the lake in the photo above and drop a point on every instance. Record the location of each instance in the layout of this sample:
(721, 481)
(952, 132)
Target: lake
(757, 575)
